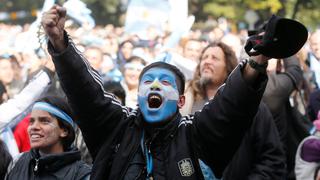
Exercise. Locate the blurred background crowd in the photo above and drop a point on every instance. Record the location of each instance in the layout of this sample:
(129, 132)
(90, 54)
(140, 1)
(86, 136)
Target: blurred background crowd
(119, 52)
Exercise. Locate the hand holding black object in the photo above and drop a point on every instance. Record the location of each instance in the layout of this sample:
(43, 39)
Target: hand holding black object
(282, 38)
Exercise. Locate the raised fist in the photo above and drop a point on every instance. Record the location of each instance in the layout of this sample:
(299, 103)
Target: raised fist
(53, 24)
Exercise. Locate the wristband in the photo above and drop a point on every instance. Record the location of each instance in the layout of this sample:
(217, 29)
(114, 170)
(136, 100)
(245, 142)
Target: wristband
(258, 67)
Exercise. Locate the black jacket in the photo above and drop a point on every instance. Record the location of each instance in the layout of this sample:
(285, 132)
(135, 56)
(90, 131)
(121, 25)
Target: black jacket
(66, 166)
(113, 134)
(276, 96)
(261, 155)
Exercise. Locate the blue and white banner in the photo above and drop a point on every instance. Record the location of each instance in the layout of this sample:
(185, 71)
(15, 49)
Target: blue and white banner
(7, 137)
(79, 12)
(157, 14)
(178, 13)
(145, 14)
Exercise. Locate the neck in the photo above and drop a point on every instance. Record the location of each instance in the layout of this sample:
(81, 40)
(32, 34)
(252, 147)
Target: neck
(56, 149)
(133, 88)
(159, 125)
(211, 91)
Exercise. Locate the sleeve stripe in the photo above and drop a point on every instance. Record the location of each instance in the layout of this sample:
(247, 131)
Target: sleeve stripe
(97, 78)
(186, 120)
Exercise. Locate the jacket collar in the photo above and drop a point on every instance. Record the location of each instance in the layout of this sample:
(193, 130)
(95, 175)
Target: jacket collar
(159, 133)
(53, 162)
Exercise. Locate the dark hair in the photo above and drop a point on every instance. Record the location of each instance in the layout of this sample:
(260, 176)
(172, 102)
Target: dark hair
(230, 60)
(121, 60)
(63, 105)
(125, 42)
(3, 90)
(316, 172)
(115, 88)
(5, 159)
(179, 76)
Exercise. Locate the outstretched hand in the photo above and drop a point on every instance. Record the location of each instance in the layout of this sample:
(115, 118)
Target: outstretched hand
(53, 24)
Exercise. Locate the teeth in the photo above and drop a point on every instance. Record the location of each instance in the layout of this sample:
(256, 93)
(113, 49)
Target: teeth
(154, 101)
(155, 97)
(34, 136)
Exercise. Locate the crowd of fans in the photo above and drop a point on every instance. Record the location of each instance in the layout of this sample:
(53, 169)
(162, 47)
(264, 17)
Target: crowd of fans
(120, 57)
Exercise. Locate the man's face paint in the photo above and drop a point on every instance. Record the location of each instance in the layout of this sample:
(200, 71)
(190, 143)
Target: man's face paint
(158, 95)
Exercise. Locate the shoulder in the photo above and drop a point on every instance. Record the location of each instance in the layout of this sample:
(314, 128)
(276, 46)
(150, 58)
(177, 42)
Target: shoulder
(84, 170)
(17, 160)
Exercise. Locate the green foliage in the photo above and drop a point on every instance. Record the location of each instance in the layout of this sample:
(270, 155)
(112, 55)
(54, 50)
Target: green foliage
(309, 13)
(305, 11)
(105, 11)
(273, 5)
(110, 11)
(217, 10)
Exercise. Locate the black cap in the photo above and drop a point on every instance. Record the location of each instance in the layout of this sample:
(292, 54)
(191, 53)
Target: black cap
(282, 38)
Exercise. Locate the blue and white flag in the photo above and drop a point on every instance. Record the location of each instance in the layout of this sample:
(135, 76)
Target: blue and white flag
(7, 137)
(178, 13)
(145, 14)
(79, 12)
(178, 33)
(157, 14)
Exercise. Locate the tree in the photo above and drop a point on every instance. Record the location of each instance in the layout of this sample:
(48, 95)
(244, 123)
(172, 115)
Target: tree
(305, 11)
(106, 12)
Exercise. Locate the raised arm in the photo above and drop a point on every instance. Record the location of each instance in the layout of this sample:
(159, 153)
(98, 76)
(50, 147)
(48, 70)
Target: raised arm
(220, 126)
(98, 112)
(25, 98)
(281, 85)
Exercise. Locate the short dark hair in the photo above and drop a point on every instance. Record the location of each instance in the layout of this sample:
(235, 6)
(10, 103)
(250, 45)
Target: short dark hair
(115, 88)
(5, 159)
(3, 90)
(63, 105)
(172, 68)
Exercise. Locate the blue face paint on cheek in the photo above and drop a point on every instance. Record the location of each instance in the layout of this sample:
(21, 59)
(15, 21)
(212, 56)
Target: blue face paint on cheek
(163, 113)
(157, 83)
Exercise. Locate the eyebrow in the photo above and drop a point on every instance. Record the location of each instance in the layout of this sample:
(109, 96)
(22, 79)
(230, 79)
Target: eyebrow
(163, 75)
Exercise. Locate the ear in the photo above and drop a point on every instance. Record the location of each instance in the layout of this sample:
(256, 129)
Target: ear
(181, 101)
(64, 132)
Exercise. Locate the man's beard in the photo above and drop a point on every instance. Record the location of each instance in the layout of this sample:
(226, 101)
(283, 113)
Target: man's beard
(205, 81)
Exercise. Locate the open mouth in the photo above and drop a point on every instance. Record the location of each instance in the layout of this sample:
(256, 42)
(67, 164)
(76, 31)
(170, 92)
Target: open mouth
(154, 100)
(35, 137)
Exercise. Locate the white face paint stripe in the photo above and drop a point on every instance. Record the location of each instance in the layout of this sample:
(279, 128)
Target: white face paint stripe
(169, 92)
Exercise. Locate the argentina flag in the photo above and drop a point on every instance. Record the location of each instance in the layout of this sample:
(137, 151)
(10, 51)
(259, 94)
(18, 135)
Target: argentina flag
(145, 14)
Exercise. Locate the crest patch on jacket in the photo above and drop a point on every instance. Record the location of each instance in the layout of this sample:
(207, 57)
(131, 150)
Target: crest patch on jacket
(186, 167)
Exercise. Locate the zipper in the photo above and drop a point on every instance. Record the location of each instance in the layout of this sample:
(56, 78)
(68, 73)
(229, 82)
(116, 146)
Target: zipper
(148, 156)
(149, 160)
(36, 167)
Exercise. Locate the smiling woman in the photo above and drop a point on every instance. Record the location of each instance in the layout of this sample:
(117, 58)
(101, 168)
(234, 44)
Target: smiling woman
(50, 128)
(51, 133)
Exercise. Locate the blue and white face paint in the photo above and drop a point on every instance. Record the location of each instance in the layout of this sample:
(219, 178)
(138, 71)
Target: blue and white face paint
(158, 95)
